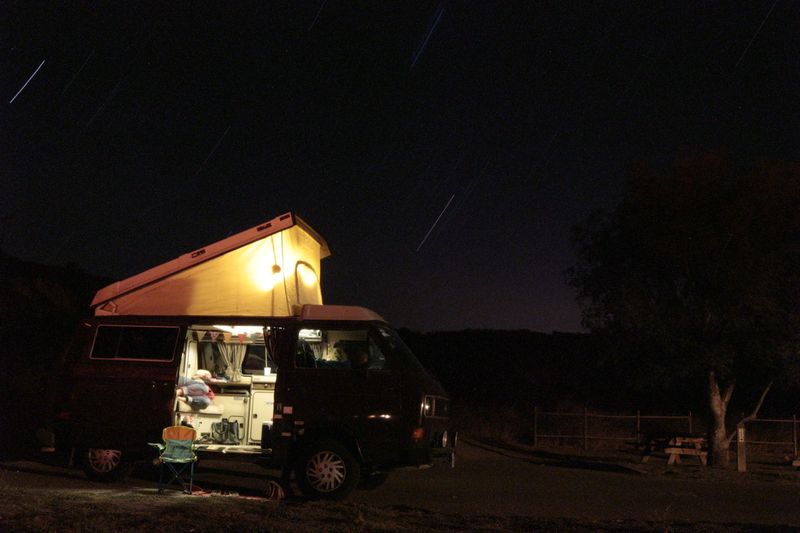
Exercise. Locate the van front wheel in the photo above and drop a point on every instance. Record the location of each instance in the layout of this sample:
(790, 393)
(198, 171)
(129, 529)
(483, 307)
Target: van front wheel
(102, 464)
(327, 470)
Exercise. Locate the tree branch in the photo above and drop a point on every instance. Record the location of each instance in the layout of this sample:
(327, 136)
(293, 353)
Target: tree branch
(726, 396)
(754, 414)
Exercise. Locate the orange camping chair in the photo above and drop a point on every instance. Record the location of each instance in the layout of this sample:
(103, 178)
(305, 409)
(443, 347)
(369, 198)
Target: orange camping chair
(177, 455)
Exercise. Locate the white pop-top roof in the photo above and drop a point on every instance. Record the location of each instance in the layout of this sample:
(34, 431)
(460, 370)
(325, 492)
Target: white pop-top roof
(267, 270)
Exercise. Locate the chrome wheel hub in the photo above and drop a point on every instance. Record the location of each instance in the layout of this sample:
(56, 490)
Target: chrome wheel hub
(326, 471)
(104, 460)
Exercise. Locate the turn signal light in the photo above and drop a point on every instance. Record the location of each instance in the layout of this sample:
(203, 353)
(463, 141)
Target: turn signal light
(417, 434)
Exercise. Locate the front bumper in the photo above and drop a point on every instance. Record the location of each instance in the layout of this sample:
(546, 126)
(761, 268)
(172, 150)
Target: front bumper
(444, 455)
(441, 449)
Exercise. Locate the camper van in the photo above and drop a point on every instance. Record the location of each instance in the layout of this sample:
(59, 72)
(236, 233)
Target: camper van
(233, 340)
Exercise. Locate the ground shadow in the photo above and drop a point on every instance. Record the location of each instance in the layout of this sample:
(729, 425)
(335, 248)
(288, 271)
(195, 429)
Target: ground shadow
(553, 459)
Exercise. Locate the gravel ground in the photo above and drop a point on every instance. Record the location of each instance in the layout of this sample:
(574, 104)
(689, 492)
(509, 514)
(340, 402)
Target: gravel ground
(492, 488)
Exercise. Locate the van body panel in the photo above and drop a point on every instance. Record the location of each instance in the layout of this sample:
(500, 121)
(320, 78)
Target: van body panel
(383, 423)
(364, 405)
(123, 400)
(120, 403)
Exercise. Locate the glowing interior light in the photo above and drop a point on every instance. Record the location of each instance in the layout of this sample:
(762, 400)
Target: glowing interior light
(265, 268)
(236, 330)
(310, 334)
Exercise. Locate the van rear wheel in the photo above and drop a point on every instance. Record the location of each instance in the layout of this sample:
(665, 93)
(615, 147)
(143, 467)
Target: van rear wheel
(327, 470)
(103, 464)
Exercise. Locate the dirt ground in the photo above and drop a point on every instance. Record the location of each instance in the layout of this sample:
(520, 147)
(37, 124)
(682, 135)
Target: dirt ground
(492, 488)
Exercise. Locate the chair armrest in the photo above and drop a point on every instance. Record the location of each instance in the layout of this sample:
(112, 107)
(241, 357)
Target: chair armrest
(156, 445)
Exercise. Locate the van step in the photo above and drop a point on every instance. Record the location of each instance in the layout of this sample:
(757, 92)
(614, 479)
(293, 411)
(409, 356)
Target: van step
(226, 448)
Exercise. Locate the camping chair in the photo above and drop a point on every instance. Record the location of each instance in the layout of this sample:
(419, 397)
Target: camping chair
(177, 453)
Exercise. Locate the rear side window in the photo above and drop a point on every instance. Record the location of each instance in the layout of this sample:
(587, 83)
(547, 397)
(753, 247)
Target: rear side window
(143, 343)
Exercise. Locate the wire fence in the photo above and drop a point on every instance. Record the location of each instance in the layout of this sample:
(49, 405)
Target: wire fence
(772, 436)
(764, 436)
(557, 428)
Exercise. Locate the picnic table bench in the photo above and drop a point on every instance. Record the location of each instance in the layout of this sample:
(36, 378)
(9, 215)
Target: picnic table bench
(686, 446)
(674, 446)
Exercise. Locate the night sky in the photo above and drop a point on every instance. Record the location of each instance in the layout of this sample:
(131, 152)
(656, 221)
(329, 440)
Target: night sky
(444, 149)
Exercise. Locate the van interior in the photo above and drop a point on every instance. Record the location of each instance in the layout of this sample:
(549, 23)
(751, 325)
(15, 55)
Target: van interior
(242, 366)
(242, 379)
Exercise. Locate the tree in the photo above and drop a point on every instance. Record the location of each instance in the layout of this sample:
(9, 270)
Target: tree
(701, 264)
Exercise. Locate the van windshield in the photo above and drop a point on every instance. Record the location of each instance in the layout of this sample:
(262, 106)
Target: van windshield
(401, 352)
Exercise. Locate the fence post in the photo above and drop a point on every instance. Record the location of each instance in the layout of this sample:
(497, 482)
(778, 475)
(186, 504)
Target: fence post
(585, 428)
(741, 446)
(794, 434)
(535, 429)
(690, 422)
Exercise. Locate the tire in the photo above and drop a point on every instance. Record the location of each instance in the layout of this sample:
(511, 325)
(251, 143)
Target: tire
(327, 470)
(105, 464)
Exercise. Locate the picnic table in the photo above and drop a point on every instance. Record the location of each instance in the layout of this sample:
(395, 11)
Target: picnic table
(674, 446)
(695, 446)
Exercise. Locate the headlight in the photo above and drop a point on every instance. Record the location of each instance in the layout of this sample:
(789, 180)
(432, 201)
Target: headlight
(427, 406)
(435, 406)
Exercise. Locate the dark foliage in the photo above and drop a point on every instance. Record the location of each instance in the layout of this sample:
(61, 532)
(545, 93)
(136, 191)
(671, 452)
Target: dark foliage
(40, 306)
(698, 270)
(521, 368)
(481, 365)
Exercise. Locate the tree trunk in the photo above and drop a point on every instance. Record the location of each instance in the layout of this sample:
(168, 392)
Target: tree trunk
(718, 442)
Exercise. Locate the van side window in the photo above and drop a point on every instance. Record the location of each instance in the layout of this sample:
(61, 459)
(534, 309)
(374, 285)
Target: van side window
(145, 343)
(338, 348)
(256, 359)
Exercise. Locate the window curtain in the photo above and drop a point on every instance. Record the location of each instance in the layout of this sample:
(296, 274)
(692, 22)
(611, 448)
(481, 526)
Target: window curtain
(207, 359)
(233, 355)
